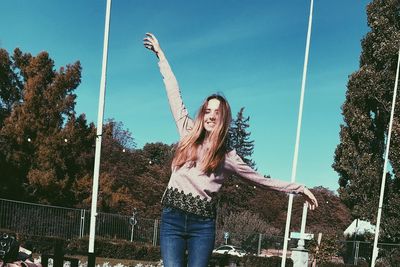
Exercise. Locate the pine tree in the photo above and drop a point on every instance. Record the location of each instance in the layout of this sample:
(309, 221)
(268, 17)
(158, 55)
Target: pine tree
(239, 138)
(366, 111)
(236, 193)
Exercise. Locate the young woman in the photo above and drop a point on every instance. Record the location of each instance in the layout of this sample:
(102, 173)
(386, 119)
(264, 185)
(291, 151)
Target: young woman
(201, 164)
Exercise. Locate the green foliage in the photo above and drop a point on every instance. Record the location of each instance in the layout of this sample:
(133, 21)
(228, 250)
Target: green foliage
(236, 193)
(366, 111)
(10, 86)
(239, 138)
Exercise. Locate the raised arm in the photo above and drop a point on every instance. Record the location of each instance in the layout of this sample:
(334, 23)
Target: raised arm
(181, 116)
(235, 165)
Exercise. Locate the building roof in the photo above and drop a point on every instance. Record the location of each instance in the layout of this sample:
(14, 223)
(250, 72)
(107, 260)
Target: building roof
(359, 227)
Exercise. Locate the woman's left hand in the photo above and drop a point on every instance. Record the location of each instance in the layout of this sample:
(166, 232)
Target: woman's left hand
(310, 198)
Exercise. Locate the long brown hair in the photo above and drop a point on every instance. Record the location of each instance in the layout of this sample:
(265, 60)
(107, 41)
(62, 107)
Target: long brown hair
(213, 157)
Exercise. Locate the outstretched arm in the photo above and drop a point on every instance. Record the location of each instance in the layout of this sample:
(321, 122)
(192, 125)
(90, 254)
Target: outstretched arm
(151, 43)
(181, 116)
(235, 165)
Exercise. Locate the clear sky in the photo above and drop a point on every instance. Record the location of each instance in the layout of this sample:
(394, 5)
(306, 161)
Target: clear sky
(251, 51)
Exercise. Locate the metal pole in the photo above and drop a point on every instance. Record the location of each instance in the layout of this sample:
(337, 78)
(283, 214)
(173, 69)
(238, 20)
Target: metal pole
(93, 212)
(259, 244)
(357, 244)
(155, 236)
(301, 242)
(296, 149)
(82, 224)
(378, 221)
(314, 263)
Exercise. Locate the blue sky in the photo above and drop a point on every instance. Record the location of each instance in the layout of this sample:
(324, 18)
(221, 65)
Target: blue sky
(251, 51)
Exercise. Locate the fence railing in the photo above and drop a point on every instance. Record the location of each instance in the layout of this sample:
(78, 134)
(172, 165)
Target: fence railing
(43, 220)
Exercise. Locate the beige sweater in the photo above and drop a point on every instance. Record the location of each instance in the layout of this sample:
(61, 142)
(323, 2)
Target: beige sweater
(189, 189)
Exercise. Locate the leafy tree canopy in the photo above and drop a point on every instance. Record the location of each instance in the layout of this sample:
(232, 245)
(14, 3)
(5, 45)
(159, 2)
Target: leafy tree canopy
(359, 157)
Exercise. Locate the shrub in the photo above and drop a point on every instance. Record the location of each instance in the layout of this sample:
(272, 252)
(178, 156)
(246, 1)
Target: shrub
(332, 264)
(120, 249)
(107, 248)
(247, 261)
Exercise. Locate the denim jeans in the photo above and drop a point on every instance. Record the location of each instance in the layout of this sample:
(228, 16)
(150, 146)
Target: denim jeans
(181, 231)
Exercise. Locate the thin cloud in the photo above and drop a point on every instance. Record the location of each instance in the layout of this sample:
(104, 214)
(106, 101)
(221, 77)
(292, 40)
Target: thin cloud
(222, 34)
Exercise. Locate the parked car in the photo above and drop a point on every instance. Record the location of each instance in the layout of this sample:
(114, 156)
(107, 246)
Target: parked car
(231, 250)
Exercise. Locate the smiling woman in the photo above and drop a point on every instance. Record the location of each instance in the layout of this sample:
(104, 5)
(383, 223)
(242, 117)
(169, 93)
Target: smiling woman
(211, 116)
(201, 164)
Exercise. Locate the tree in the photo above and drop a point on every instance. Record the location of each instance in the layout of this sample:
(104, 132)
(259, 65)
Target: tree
(366, 111)
(10, 86)
(129, 177)
(244, 228)
(10, 95)
(236, 193)
(331, 217)
(37, 159)
(239, 138)
(115, 171)
(329, 248)
(150, 185)
(47, 151)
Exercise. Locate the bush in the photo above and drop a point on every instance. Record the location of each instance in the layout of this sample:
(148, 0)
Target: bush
(388, 257)
(120, 249)
(42, 244)
(332, 264)
(107, 248)
(247, 261)
(328, 248)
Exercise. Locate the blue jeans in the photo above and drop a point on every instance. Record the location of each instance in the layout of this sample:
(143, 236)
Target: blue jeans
(181, 231)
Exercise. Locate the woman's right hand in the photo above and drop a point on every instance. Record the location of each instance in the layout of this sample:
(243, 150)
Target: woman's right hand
(151, 43)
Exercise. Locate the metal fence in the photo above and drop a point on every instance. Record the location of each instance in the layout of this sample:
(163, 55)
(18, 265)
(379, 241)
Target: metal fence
(43, 220)
(356, 252)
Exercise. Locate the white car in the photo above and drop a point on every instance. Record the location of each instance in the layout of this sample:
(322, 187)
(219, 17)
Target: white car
(231, 250)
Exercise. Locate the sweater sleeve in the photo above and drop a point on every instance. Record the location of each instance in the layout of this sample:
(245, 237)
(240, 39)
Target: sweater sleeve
(179, 112)
(235, 165)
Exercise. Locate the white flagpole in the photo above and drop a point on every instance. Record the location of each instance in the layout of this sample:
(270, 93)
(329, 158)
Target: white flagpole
(378, 220)
(93, 212)
(296, 149)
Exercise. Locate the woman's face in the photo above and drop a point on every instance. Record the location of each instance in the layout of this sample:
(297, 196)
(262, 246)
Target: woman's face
(211, 115)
